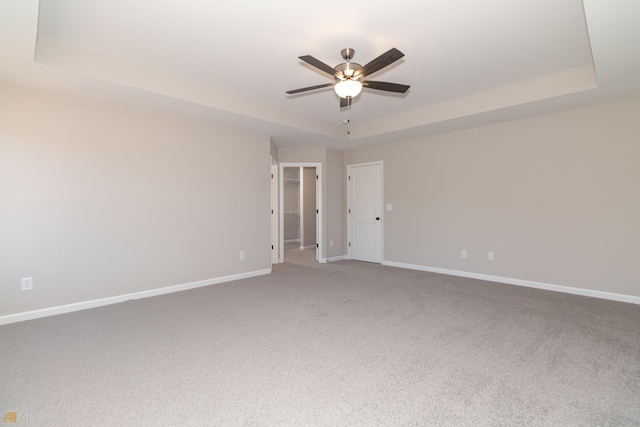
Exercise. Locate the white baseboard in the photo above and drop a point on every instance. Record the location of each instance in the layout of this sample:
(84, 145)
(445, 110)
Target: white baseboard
(302, 248)
(332, 259)
(292, 241)
(518, 282)
(68, 308)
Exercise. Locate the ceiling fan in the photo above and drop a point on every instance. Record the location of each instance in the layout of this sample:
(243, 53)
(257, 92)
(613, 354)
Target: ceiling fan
(350, 76)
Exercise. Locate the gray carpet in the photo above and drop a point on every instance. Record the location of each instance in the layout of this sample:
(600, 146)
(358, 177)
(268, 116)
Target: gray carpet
(339, 344)
(293, 254)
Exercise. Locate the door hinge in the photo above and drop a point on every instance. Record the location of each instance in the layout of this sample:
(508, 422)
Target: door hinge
(317, 210)
(317, 245)
(317, 176)
(271, 247)
(349, 210)
(349, 177)
(349, 244)
(272, 211)
(271, 176)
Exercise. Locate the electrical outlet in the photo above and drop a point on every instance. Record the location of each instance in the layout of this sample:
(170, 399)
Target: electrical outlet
(463, 254)
(241, 255)
(490, 255)
(26, 284)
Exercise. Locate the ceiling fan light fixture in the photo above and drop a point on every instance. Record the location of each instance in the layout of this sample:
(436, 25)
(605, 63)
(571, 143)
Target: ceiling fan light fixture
(348, 88)
(350, 76)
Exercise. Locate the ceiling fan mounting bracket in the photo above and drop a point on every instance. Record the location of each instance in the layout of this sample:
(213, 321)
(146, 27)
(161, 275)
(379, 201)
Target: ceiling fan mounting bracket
(347, 54)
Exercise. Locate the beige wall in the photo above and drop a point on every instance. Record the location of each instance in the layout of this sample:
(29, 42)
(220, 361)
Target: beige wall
(291, 199)
(302, 155)
(273, 150)
(97, 201)
(335, 206)
(556, 198)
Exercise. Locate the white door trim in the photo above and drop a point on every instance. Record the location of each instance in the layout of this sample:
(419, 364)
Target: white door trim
(275, 208)
(301, 209)
(319, 240)
(349, 169)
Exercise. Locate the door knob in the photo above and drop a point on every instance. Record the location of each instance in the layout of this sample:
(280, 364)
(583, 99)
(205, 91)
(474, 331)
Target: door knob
(377, 218)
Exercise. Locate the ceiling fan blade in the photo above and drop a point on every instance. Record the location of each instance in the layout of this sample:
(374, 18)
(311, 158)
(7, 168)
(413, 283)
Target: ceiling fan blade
(345, 102)
(305, 89)
(318, 64)
(387, 58)
(388, 87)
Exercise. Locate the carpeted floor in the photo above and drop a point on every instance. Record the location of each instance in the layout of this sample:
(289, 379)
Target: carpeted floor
(339, 344)
(294, 255)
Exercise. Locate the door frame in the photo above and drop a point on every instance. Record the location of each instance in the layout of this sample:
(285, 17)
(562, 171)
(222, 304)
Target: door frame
(319, 241)
(349, 191)
(275, 208)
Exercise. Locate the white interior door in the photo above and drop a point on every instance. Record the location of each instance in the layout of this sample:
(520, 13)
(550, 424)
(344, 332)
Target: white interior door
(364, 187)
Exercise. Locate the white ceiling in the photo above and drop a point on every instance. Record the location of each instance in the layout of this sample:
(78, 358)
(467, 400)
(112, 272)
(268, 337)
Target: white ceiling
(468, 62)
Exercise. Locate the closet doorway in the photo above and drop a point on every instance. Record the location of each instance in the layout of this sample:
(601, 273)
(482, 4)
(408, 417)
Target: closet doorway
(300, 215)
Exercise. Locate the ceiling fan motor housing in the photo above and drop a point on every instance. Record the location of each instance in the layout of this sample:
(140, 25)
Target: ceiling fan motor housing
(348, 70)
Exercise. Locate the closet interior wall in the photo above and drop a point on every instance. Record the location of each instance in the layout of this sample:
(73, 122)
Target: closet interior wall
(291, 205)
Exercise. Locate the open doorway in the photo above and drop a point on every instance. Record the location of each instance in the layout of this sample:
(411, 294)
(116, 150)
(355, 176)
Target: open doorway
(300, 215)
